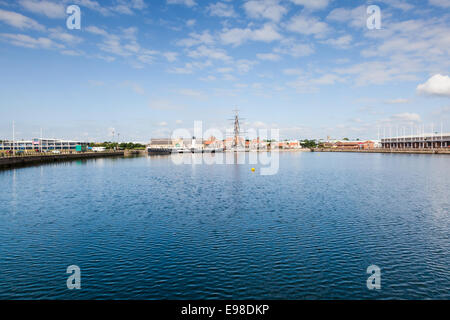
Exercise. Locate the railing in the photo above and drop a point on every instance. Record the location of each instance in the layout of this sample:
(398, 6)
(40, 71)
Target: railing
(414, 149)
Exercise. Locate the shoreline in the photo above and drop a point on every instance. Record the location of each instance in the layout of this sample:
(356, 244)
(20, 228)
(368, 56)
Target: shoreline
(407, 151)
(21, 161)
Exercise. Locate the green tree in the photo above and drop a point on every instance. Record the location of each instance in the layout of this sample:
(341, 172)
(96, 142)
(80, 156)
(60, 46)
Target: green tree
(308, 143)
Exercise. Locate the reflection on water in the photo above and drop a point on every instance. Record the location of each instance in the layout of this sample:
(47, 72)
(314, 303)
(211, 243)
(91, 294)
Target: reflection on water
(146, 228)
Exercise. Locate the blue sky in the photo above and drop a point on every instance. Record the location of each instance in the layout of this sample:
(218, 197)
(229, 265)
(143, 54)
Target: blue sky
(147, 67)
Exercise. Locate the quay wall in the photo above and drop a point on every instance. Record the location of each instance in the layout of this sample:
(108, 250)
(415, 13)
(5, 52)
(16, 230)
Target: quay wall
(403, 151)
(11, 162)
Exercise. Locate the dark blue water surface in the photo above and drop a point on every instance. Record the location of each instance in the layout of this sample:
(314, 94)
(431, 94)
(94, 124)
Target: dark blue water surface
(145, 228)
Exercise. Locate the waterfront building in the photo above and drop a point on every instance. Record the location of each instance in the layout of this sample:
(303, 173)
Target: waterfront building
(39, 144)
(377, 143)
(289, 144)
(422, 141)
(360, 145)
(213, 143)
(161, 143)
(294, 144)
(352, 145)
(234, 143)
(178, 143)
(228, 143)
(257, 144)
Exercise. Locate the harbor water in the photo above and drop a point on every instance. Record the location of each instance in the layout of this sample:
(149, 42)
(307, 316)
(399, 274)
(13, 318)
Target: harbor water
(147, 228)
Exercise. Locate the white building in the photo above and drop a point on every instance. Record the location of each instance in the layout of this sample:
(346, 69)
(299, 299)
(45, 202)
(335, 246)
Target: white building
(422, 141)
(40, 145)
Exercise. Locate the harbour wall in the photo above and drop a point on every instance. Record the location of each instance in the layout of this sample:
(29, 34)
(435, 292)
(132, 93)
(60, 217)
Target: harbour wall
(402, 151)
(18, 161)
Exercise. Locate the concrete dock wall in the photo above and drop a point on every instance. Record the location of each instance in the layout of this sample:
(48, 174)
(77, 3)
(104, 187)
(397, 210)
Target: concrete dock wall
(11, 162)
(402, 151)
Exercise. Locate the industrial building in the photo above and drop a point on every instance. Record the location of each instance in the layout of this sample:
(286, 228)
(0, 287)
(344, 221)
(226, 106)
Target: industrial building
(43, 145)
(423, 141)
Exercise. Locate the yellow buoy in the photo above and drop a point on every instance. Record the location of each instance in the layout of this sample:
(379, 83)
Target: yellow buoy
(253, 169)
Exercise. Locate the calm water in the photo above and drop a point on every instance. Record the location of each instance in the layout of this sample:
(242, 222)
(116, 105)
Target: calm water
(144, 228)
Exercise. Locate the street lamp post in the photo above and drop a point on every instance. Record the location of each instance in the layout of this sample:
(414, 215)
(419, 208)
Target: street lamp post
(13, 140)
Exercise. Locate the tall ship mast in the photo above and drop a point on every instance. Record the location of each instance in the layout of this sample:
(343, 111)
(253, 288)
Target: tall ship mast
(237, 130)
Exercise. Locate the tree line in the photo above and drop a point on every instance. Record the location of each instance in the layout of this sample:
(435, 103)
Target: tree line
(115, 145)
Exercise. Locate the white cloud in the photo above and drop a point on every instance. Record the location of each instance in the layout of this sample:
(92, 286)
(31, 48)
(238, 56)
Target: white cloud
(221, 9)
(20, 21)
(191, 93)
(162, 104)
(61, 35)
(171, 56)
(437, 85)
(267, 9)
(73, 53)
(229, 77)
(47, 8)
(294, 49)
(26, 41)
(379, 72)
(244, 66)
(134, 86)
(405, 117)
(105, 58)
(341, 42)
(208, 78)
(408, 48)
(127, 7)
(399, 4)
(259, 124)
(308, 25)
(125, 44)
(394, 124)
(191, 22)
(356, 17)
(267, 33)
(188, 3)
(138, 4)
(196, 39)
(210, 53)
(440, 3)
(268, 56)
(307, 84)
(397, 101)
(144, 58)
(123, 9)
(96, 30)
(238, 36)
(327, 79)
(93, 5)
(112, 44)
(442, 112)
(225, 70)
(313, 4)
(294, 72)
(191, 67)
(302, 85)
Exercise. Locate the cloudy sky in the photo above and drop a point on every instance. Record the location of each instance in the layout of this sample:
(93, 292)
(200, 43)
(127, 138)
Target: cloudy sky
(146, 67)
